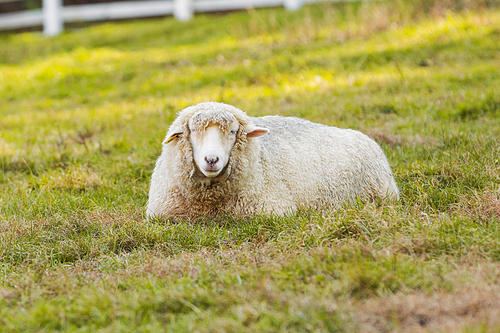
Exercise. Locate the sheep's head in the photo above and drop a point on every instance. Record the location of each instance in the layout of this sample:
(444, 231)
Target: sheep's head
(213, 131)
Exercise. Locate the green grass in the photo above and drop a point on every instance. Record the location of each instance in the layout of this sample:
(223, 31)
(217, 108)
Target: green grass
(82, 119)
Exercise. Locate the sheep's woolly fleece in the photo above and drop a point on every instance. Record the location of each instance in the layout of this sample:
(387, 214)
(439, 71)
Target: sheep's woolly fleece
(298, 164)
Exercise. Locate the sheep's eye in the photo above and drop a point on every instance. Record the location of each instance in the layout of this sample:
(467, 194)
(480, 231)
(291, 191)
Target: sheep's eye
(232, 132)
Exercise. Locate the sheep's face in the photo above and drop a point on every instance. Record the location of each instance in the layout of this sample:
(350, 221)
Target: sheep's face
(213, 129)
(212, 146)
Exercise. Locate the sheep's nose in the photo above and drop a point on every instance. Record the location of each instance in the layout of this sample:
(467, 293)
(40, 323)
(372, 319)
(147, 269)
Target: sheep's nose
(211, 160)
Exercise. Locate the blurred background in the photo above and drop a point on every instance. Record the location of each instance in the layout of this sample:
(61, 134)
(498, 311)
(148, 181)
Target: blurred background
(52, 14)
(22, 14)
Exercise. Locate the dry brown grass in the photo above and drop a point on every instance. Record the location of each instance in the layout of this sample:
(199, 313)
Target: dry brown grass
(474, 302)
(391, 140)
(189, 264)
(399, 140)
(480, 206)
(7, 293)
(18, 227)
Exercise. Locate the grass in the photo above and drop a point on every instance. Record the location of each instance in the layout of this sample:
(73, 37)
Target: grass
(82, 119)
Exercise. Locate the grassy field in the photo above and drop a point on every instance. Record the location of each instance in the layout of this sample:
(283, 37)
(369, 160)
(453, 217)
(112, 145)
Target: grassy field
(82, 117)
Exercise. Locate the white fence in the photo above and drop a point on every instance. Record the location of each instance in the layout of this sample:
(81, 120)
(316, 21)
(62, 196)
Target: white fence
(54, 14)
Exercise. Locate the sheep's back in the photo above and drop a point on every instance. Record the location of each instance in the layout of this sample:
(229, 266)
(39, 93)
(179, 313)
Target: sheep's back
(314, 165)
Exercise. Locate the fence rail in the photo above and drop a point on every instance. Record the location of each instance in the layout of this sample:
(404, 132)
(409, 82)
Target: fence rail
(53, 14)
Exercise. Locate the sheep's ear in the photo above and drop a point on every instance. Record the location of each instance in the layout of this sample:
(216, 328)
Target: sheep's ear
(171, 138)
(173, 133)
(254, 132)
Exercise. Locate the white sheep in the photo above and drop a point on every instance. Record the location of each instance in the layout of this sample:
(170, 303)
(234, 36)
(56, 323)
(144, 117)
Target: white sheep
(216, 159)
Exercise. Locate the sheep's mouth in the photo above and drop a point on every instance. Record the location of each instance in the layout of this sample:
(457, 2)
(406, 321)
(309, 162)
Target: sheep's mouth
(212, 169)
(198, 175)
(212, 173)
(219, 174)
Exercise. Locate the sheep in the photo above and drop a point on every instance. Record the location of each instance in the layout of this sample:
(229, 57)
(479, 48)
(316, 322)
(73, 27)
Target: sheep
(218, 160)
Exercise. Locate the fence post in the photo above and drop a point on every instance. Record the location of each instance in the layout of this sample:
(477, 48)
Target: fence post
(52, 17)
(293, 4)
(183, 10)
